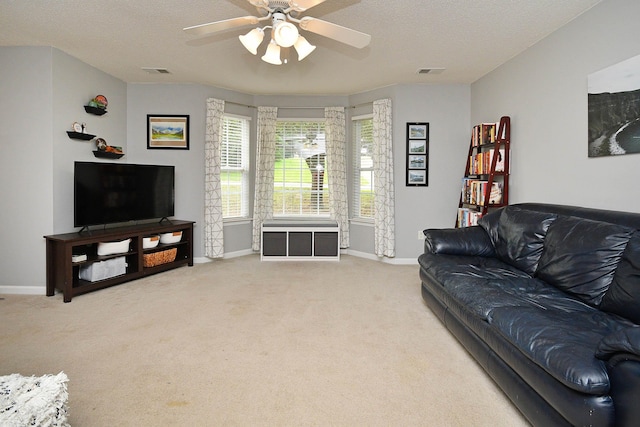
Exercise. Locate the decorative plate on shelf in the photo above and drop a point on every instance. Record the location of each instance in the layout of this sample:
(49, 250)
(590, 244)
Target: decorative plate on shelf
(101, 144)
(101, 100)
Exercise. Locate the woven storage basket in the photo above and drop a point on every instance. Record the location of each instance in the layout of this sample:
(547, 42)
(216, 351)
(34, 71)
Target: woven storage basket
(158, 258)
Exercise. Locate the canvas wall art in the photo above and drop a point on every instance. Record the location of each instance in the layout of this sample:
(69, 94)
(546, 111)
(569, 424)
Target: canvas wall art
(614, 109)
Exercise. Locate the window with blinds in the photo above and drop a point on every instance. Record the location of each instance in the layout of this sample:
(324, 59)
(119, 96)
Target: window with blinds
(300, 180)
(234, 167)
(363, 167)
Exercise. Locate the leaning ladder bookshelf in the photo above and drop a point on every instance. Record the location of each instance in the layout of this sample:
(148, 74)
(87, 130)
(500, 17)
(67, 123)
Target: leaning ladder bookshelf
(486, 179)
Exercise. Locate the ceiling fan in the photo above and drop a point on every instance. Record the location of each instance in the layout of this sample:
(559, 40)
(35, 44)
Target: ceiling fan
(283, 14)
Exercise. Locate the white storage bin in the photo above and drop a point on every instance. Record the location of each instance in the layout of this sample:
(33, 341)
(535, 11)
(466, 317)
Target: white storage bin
(167, 238)
(104, 269)
(111, 248)
(150, 242)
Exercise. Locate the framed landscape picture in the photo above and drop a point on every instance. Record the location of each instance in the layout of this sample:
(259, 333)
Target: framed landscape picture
(417, 154)
(168, 132)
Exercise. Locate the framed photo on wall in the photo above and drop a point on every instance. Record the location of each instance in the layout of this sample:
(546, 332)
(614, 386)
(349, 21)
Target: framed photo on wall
(167, 132)
(417, 156)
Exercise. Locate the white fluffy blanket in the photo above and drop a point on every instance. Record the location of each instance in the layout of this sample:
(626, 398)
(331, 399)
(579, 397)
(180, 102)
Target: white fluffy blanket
(33, 401)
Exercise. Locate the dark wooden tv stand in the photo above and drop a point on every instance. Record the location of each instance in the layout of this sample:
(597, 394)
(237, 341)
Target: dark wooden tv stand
(63, 273)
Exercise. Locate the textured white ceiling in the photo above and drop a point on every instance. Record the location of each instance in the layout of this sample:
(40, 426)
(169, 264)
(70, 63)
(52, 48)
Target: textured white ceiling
(468, 38)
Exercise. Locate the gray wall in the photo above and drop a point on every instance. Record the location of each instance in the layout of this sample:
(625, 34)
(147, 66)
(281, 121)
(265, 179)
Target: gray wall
(143, 99)
(445, 107)
(74, 85)
(544, 90)
(43, 93)
(26, 166)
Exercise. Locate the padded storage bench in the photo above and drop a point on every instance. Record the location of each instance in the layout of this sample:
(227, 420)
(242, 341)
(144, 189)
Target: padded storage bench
(300, 240)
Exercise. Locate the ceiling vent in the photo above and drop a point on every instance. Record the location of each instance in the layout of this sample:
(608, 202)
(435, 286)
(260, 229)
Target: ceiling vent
(430, 70)
(156, 70)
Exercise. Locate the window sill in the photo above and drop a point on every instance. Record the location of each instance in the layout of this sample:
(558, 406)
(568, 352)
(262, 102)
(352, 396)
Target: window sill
(236, 221)
(362, 221)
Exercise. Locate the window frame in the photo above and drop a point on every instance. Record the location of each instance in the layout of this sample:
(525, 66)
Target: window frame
(324, 214)
(244, 168)
(358, 169)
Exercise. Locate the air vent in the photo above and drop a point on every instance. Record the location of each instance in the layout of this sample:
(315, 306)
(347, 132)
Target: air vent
(156, 70)
(430, 70)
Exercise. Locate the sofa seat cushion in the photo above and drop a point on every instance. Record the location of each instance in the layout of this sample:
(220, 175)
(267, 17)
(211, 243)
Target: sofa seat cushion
(482, 296)
(580, 256)
(445, 268)
(564, 349)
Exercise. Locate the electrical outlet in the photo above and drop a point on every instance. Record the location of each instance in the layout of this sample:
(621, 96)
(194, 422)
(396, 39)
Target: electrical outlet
(420, 235)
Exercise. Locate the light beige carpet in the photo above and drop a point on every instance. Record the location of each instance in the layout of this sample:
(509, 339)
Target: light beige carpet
(241, 342)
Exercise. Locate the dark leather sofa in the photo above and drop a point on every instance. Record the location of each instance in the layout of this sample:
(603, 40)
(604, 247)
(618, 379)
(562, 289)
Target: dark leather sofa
(547, 300)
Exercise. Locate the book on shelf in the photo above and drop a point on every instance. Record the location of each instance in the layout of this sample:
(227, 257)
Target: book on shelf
(468, 217)
(484, 133)
(495, 195)
(488, 134)
(480, 163)
(474, 192)
(499, 161)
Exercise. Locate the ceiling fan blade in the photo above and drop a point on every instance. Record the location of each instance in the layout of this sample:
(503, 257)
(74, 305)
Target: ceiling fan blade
(302, 5)
(334, 31)
(214, 27)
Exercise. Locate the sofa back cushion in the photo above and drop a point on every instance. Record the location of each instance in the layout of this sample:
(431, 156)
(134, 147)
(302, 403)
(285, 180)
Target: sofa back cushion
(581, 256)
(623, 296)
(518, 235)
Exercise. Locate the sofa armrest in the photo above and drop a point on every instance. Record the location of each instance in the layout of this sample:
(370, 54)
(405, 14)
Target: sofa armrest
(623, 341)
(624, 376)
(472, 241)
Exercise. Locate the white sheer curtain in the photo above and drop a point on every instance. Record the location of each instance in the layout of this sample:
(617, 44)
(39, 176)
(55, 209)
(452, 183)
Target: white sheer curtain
(265, 159)
(213, 222)
(384, 198)
(335, 130)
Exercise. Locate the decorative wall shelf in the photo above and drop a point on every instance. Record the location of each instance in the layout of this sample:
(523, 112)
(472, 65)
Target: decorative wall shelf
(95, 110)
(107, 155)
(80, 135)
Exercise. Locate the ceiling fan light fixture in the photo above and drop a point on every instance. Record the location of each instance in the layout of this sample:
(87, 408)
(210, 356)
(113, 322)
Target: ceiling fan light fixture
(303, 47)
(252, 40)
(272, 55)
(285, 34)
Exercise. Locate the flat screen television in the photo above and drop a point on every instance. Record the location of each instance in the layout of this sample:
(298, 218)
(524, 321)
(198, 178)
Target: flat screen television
(107, 193)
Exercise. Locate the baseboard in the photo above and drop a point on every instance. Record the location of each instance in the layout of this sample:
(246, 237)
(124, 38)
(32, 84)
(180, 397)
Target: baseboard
(373, 257)
(23, 290)
(394, 261)
(227, 255)
(240, 253)
(42, 290)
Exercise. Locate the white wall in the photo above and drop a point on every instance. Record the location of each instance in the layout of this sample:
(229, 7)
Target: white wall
(544, 90)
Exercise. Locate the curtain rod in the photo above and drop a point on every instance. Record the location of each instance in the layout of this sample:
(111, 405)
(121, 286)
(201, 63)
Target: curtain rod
(297, 108)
